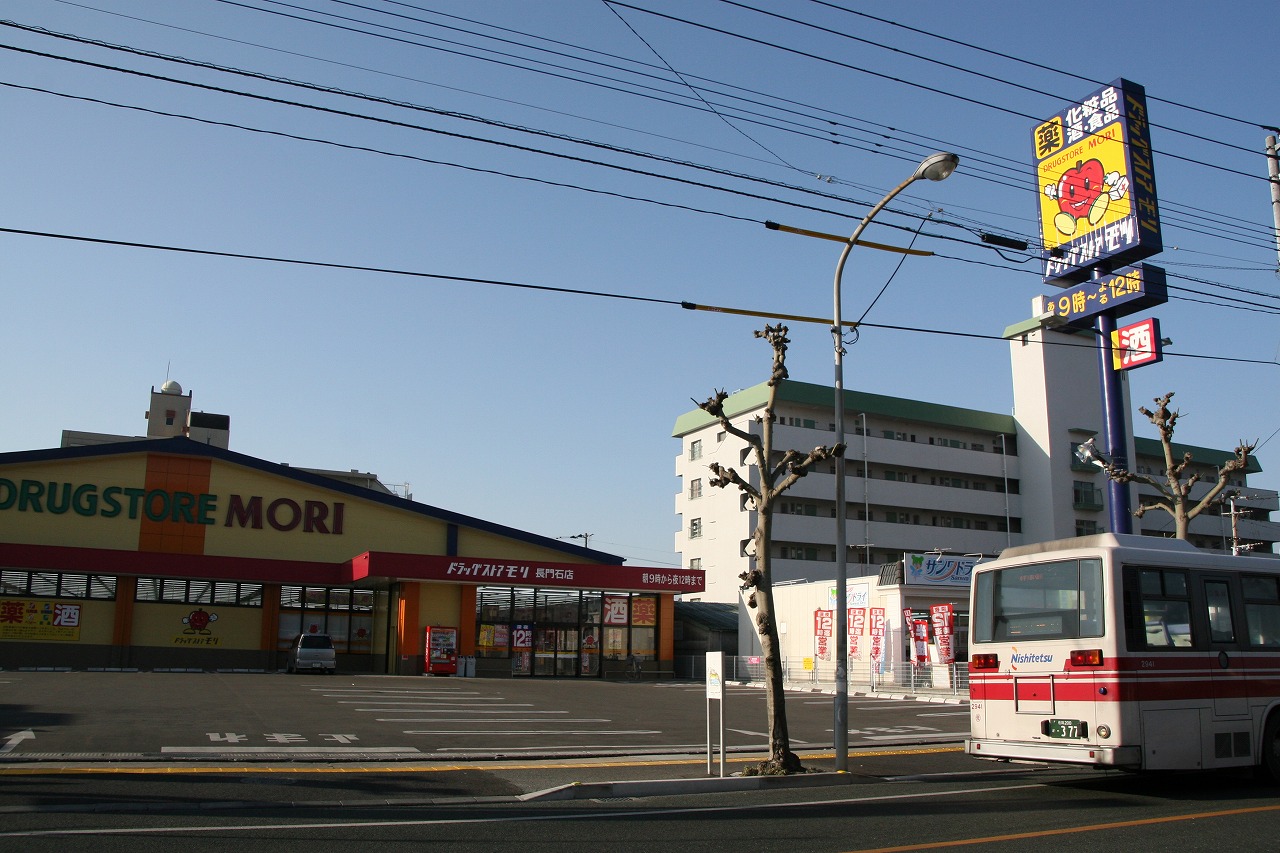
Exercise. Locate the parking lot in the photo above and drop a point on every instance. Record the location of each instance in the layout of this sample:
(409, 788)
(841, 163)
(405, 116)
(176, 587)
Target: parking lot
(270, 716)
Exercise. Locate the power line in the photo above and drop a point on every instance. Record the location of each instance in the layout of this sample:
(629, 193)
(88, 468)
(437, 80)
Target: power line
(1038, 65)
(451, 114)
(370, 150)
(1240, 304)
(877, 148)
(893, 79)
(684, 304)
(1223, 300)
(693, 89)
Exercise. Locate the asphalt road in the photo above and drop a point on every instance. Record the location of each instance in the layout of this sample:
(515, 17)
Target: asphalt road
(143, 762)
(1012, 809)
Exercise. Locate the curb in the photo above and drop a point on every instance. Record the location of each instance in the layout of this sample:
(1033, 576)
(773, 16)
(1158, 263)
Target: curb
(676, 787)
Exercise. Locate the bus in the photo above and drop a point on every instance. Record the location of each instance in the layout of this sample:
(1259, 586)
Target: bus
(1125, 651)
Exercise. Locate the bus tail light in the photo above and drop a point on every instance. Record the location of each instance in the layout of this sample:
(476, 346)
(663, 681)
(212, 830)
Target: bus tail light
(1086, 657)
(985, 662)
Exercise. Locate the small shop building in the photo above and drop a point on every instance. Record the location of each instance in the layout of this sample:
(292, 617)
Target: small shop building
(167, 552)
(906, 623)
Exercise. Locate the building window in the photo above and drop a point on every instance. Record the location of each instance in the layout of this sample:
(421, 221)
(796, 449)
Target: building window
(695, 563)
(695, 528)
(1087, 527)
(695, 449)
(57, 585)
(1084, 495)
(695, 489)
(178, 591)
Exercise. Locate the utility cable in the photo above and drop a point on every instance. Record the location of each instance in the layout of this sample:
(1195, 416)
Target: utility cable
(899, 80)
(684, 304)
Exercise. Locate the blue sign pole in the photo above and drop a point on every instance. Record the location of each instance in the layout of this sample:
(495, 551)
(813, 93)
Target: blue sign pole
(1113, 413)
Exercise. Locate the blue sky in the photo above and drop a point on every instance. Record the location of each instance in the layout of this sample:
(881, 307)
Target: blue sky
(543, 407)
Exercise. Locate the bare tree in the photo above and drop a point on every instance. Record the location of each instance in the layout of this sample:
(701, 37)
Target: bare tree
(1175, 493)
(775, 478)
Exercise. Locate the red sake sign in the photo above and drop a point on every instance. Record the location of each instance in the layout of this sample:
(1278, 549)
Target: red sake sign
(1136, 345)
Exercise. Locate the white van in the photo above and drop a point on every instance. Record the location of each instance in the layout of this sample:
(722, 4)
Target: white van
(312, 653)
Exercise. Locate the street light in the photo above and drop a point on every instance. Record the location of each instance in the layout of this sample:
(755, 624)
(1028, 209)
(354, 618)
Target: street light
(935, 167)
(1089, 454)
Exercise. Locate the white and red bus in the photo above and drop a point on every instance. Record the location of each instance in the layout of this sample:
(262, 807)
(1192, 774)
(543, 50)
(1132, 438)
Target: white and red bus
(1126, 651)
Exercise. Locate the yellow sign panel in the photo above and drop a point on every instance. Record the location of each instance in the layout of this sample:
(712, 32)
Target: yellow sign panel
(1095, 185)
(39, 620)
(1084, 188)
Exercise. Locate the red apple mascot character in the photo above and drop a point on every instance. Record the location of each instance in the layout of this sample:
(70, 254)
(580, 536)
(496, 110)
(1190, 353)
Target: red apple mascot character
(1084, 192)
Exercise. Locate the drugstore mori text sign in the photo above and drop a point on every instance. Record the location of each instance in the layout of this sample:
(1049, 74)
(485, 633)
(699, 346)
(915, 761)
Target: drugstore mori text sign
(90, 500)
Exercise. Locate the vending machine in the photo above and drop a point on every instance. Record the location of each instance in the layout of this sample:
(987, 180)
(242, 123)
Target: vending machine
(441, 650)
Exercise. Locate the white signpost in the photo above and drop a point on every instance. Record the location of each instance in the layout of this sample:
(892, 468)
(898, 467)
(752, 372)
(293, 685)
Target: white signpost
(715, 690)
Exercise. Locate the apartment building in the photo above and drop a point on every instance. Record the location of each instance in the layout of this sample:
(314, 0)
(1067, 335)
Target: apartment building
(924, 477)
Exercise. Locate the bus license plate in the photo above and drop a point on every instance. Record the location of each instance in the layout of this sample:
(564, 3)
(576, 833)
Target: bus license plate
(1065, 728)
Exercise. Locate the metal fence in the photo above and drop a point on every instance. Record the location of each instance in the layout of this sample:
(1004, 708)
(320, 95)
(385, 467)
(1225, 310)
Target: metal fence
(949, 679)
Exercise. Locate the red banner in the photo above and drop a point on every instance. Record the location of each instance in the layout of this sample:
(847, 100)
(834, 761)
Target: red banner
(943, 617)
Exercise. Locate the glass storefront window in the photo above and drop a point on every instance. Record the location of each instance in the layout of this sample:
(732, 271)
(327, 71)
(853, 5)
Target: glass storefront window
(643, 644)
(343, 613)
(589, 657)
(615, 643)
(592, 603)
(554, 632)
(494, 604)
(522, 607)
(557, 607)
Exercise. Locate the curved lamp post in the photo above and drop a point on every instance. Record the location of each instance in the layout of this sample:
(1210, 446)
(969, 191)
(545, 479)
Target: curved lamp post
(935, 167)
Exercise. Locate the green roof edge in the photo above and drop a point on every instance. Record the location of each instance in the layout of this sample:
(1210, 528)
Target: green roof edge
(808, 393)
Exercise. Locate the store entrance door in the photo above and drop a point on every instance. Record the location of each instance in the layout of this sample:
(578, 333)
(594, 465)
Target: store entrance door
(555, 650)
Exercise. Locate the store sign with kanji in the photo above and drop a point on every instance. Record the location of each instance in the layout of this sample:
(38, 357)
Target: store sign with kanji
(1136, 345)
(1096, 184)
(39, 620)
(1121, 293)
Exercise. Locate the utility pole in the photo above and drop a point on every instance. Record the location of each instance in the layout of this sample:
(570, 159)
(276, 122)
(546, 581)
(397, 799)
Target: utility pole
(585, 537)
(1236, 547)
(1273, 171)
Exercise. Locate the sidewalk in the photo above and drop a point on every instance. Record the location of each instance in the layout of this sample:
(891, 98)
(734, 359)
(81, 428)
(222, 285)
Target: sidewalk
(886, 691)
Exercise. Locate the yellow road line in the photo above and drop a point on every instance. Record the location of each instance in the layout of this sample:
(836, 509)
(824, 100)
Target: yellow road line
(1071, 830)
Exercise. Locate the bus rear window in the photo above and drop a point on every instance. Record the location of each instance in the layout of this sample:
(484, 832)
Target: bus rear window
(1048, 601)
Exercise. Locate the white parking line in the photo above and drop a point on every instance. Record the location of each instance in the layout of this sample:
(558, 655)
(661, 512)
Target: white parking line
(449, 711)
(673, 748)
(451, 706)
(288, 750)
(794, 739)
(532, 732)
(473, 720)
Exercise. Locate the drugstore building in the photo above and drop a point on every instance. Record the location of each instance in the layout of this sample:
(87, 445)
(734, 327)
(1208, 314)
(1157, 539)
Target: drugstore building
(166, 552)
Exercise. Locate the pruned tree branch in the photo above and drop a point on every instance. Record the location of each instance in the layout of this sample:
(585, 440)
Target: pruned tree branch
(1174, 490)
(729, 477)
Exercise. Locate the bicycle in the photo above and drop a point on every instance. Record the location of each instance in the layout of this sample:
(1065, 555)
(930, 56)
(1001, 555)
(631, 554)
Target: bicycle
(633, 668)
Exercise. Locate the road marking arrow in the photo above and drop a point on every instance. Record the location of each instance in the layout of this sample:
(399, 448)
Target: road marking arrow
(15, 739)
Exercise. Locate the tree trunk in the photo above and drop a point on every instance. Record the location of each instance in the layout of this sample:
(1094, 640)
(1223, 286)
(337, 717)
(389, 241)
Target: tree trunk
(781, 758)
